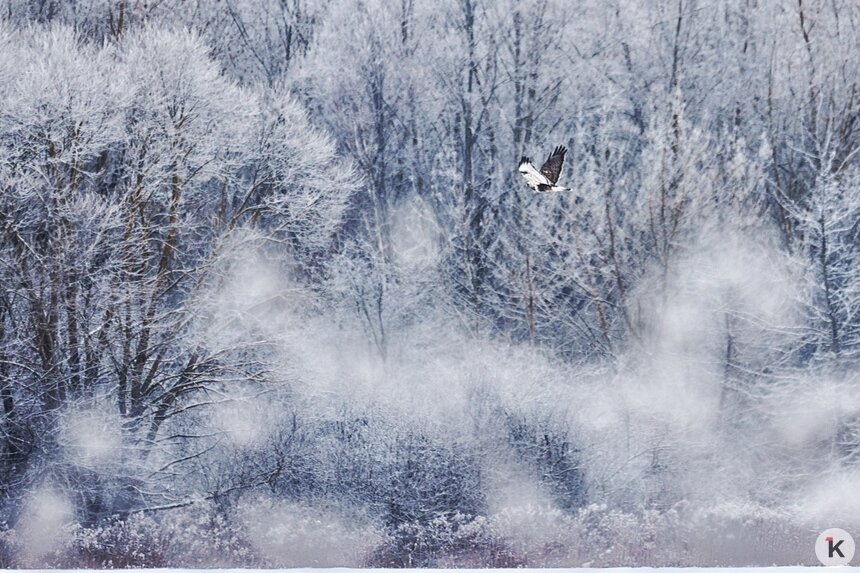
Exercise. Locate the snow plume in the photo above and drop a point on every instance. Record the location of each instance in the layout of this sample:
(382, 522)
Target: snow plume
(298, 535)
(415, 236)
(41, 526)
(243, 420)
(831, 498)
(661, 421)
(805, 414)
(91, 435)
(253, 297)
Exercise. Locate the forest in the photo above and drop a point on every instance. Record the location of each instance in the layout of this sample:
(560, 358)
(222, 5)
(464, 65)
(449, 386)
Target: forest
(274, 294)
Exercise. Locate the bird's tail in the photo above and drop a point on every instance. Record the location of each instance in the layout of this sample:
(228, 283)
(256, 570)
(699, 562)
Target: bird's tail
(524, 160)
(577, 199)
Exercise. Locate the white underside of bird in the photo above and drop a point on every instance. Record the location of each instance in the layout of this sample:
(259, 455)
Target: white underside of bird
(537, 180)
(546, 178)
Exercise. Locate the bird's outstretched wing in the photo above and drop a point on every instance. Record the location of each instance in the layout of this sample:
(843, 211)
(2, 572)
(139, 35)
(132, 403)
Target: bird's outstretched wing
(552, 168)
(533, 177)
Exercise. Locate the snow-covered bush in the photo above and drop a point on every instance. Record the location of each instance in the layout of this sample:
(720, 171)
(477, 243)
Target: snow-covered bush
(197, 536)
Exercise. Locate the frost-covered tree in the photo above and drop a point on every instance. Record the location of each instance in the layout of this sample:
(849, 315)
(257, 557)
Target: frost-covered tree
(131, 175)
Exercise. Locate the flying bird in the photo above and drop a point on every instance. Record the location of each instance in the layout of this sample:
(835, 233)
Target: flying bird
(547, 178)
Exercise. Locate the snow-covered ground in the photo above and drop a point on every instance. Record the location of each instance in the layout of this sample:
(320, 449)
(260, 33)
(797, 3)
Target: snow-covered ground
(571, 570)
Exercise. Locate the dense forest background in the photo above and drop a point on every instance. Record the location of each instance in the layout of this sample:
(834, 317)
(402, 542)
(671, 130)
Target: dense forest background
(274, 294)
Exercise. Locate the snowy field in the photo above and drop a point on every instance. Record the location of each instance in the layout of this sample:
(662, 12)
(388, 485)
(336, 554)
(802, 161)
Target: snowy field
(571, 570)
